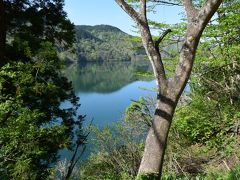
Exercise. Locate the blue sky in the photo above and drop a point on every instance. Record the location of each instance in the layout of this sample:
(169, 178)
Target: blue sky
(95, 12)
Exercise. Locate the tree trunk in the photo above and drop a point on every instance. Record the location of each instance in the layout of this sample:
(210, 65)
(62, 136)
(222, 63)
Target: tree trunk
(156, 142)
(2, 33)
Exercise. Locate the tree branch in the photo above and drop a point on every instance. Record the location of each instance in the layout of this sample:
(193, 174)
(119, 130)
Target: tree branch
(167, 3)
(162, 37)
(207, 11)
(196, 24)
(191, 11)
(144, 10)
(130, 11)
(147, 40)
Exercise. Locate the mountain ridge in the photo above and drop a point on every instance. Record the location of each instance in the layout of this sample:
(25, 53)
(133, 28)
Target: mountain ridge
(101, 27)
(103, 43)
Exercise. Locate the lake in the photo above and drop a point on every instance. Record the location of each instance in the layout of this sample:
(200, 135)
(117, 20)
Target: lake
(107, 88)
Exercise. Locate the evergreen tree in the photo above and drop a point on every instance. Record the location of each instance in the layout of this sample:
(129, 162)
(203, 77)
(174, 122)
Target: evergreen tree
(32, 21)
(34, 126)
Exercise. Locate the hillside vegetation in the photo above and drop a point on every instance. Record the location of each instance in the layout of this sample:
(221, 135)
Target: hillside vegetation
(103, 43)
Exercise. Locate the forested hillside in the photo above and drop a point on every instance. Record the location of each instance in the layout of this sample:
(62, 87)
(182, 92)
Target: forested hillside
(103, 43)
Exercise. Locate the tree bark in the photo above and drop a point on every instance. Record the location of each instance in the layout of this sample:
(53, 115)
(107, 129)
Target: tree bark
(2, 33)
(155, 145)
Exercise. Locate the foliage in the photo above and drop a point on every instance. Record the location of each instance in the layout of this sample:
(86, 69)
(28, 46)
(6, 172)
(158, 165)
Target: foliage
(33, 126)
(204, 121)
(37, 21)
(140, 111)
(149, 176)
(215, 83)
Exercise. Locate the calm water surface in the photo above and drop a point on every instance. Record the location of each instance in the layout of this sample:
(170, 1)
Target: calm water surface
(107, 108)
(106, 89)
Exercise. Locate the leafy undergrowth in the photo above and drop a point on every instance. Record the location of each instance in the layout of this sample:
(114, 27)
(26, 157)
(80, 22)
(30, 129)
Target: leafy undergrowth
(191, 154)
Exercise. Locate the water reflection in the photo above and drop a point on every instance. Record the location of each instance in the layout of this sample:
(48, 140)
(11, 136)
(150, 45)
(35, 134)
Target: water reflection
(105, 77)
(105, 90)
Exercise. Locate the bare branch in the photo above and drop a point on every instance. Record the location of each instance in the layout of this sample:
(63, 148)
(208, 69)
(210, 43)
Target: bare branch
(130, 11)
(162, 37)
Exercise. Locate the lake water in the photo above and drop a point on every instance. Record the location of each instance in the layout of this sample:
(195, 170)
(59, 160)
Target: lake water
(106, 89)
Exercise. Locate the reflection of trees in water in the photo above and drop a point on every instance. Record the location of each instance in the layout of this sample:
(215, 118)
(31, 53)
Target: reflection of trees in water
(104, 77)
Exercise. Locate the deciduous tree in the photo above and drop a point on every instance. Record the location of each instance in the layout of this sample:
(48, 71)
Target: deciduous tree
(169, 90)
